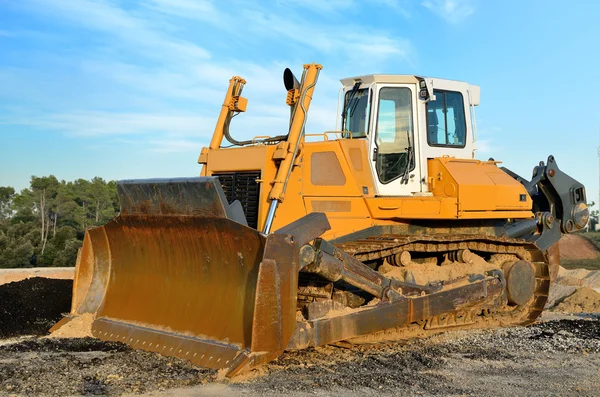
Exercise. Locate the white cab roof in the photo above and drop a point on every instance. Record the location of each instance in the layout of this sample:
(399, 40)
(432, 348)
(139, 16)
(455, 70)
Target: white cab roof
(474, 90)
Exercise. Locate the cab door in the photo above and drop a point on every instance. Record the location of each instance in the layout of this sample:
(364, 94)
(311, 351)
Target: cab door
(394, 143)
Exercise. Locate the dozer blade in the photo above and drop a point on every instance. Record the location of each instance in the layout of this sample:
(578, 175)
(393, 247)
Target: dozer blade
(175, 274)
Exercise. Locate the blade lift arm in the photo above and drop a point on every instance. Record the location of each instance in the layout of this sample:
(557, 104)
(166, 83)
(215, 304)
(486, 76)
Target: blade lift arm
(299, 98)
(294, 139)
(233, 105)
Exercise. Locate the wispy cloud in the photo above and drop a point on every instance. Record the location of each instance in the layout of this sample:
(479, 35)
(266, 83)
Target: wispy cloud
(202, 10)
(344, 8)
(487, 142)
(344, 38)
(453, 11)
(486, 148)
(400, 7)
(97, 123)
(320, 6)
(360, 45)
(158, 69)
(135, 32)
(174, 146)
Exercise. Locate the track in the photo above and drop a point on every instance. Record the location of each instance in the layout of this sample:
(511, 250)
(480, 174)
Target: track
(380, 247)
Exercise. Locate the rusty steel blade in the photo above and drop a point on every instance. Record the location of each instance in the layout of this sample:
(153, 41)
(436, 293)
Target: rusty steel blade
(194, 277)
(174, 274)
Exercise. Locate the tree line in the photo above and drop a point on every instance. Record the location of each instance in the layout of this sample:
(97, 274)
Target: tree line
(44, 225)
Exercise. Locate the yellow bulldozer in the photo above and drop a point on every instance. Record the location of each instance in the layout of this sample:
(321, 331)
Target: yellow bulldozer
(385, 229)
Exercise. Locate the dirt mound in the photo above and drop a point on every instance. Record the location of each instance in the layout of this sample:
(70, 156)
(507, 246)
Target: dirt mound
(583, 300)
(570, 280)
(13, 275)
(32, 306)
(575, 247)
(79, 327)
(558, 293)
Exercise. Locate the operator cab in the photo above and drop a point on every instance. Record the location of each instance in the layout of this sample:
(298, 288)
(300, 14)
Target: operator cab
(406, 121)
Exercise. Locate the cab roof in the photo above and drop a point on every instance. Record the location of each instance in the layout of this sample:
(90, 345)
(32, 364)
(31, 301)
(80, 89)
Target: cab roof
(381, 78)
(474, 91)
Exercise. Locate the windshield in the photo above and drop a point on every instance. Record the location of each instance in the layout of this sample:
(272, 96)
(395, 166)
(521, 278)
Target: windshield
(355, 117)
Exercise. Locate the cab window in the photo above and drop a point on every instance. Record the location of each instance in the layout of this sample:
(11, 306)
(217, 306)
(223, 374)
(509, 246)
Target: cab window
(446, 125)
(356, 114)
(394, 134)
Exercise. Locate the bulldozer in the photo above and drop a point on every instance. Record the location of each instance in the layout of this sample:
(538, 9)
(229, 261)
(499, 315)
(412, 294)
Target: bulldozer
(385, 228)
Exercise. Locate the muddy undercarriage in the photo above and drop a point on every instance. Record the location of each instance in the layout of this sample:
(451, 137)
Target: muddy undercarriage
(415, 285)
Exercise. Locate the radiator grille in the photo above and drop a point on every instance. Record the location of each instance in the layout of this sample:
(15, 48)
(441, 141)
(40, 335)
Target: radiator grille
(242, 186)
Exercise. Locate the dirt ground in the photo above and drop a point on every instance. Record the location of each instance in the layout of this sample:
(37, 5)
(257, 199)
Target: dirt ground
(558, 357)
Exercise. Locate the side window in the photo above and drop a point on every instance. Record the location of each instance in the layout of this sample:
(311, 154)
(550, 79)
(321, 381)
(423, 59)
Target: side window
(446, 125)
(356, 114)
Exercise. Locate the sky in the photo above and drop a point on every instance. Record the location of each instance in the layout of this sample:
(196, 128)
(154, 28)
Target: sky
(132, 89)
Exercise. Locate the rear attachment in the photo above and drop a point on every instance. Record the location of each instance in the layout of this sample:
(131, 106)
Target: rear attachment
(179, 273)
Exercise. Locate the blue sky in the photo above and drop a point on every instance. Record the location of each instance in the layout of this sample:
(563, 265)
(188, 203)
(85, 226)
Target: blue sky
(132, 89)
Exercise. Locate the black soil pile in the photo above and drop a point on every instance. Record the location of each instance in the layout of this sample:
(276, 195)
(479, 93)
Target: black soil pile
(87, 366)
(32, 306)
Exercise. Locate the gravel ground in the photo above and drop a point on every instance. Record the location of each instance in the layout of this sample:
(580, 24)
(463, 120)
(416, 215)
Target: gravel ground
(87, 366)
(559, 357)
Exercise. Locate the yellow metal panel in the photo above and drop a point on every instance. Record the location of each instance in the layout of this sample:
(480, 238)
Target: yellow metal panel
(355, 151)
(345, 214)
(462, 189)
(509, 190)
(245, 158)
(496, 215)
(421, 207)
(325, 169)
(412, 207)
(441, 182)
(431, 208)
(329, 205)
(478, 185)
(348, 189)
(338, 207)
